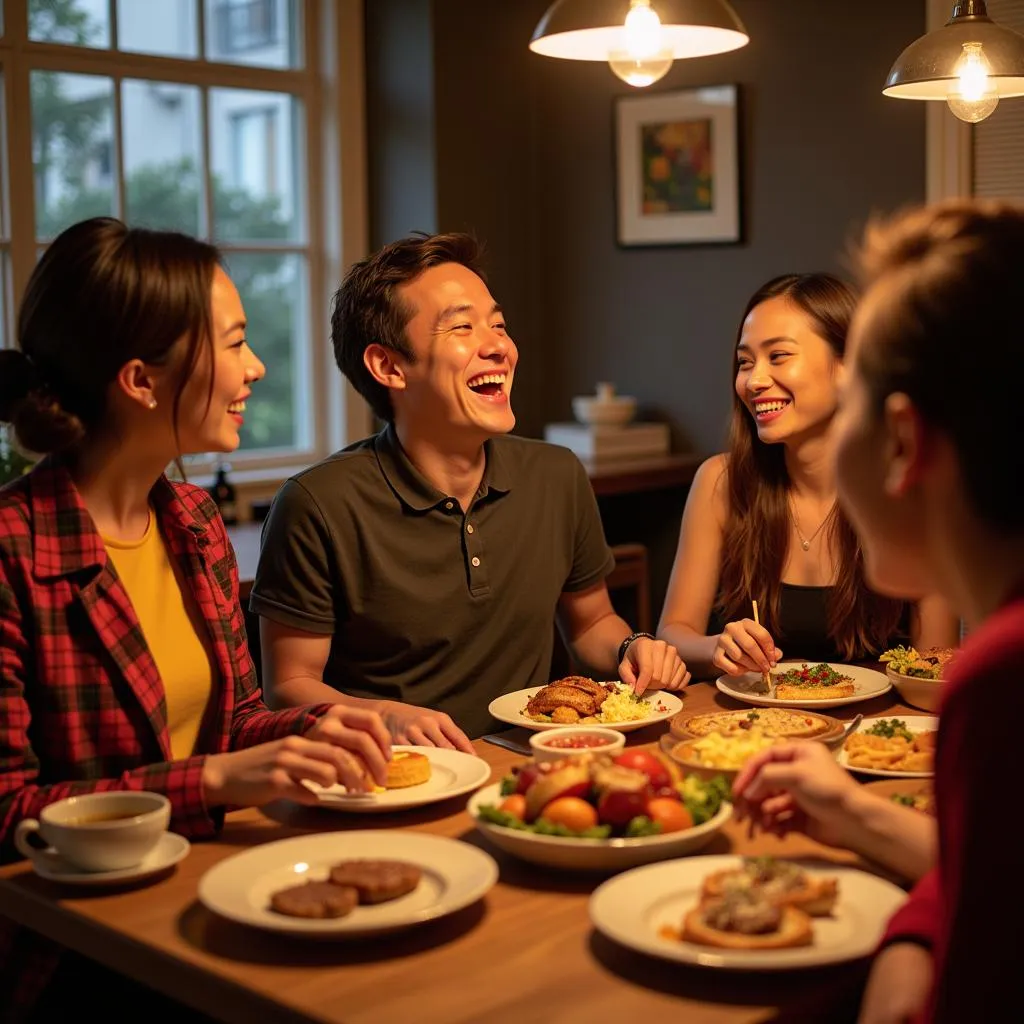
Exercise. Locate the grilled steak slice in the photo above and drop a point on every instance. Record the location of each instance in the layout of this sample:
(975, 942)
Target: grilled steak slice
(315, 900)
(377, 881)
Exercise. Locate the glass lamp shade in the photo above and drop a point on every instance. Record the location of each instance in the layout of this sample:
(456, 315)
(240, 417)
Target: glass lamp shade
(594, 29)
(930, 67)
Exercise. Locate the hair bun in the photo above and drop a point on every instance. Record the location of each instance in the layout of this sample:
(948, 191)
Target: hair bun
(19, 377)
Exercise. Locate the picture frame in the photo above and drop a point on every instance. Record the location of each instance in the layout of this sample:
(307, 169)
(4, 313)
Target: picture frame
(677, 167)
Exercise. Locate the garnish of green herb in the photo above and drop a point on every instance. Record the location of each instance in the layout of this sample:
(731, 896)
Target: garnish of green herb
(889, 728)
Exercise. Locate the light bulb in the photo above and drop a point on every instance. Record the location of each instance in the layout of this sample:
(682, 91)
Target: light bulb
(645, 58)
(973, 96)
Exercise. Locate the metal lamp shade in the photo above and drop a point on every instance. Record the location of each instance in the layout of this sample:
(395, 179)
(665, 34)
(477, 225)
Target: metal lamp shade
(592, 29)
(924, 70)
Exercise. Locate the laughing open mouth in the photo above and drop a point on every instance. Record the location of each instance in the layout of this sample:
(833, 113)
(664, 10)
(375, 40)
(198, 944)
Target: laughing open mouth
(490, 385)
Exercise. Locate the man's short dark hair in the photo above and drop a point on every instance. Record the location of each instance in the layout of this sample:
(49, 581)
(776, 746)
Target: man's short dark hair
(367, 309)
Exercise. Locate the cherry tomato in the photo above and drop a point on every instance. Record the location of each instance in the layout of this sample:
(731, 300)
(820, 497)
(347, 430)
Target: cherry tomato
(515, 805)
(670, 813)
(619, 806)
(570, 811)
(642, 761)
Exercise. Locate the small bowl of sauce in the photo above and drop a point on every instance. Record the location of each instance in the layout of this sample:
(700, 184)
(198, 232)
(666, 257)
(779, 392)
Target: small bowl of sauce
(571, 740)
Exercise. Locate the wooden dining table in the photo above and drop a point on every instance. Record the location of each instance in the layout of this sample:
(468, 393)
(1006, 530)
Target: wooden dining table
(525, 952)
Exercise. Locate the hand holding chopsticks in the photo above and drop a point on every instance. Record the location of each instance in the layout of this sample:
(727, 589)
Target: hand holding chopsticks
(745, 646)
(766, 676)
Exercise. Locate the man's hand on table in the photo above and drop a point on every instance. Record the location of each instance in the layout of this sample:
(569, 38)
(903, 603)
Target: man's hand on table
(653, 665)
(422, 727)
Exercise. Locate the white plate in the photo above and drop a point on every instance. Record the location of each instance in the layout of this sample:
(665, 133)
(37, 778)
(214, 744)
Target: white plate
(454, 876)
(867, 683)
(452, 773)
(631, 908)
(170, 849)
(915, 723)
(592, 854)
(509, 708)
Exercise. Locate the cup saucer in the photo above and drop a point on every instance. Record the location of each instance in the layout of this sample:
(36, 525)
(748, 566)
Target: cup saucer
(170, 849)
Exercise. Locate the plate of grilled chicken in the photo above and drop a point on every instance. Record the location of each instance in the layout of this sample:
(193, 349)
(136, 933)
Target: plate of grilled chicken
(578, 700)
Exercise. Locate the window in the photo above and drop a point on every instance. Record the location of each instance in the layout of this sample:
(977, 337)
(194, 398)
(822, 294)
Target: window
(203, 116)
(243, 25)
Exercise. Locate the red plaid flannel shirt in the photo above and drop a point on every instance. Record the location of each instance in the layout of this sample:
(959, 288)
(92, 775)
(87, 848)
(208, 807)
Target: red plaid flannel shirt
(82, 706)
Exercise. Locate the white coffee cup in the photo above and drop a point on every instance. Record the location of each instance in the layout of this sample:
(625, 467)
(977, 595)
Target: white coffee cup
(97, 831)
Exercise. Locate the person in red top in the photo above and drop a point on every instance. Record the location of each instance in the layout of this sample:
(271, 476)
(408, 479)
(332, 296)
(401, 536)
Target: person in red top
(928, 462)
(133, 353)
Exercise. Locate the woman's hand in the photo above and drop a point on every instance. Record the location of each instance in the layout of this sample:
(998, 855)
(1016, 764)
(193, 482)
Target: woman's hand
(798, 787)
(745, 646)
(653, 665)
(899, 984)
(345, 745)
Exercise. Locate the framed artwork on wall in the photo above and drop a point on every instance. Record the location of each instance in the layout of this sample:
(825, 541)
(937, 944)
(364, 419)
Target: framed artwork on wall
(677, 167)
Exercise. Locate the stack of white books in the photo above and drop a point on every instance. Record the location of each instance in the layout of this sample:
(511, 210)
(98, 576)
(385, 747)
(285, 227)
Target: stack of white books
(590, 441)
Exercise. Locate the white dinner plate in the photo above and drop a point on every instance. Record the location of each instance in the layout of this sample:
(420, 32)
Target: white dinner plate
(867, 683)
(592, 854)
(915, 723)
(633, 907)
(169, 850)
(454, 876)
(452, 773)
(510, 707)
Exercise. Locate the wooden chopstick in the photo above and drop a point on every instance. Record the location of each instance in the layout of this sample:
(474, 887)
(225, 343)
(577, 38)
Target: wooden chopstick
(765, 676)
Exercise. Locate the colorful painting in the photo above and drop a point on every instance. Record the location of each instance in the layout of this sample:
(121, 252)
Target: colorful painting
(678, 170)
(678, 174)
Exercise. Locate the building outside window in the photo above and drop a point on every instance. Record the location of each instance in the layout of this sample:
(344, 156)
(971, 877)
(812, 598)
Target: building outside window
(192, 115)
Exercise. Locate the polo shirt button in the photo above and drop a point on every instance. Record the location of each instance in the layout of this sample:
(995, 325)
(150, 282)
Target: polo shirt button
(469, 528)
(449, 505)
(476, 561)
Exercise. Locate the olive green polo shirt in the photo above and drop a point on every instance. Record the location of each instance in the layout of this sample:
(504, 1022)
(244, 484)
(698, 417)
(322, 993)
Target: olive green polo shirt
(424, 603)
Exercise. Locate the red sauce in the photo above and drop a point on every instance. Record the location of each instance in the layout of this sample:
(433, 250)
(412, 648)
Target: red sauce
(579, 742)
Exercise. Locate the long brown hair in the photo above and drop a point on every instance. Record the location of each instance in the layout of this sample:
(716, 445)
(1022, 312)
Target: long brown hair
(757, 529)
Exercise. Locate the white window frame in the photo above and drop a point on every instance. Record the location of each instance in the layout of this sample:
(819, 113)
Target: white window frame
(331, 88)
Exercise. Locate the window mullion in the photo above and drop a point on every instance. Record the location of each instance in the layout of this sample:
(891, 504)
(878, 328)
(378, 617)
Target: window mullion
(120, 197)
(205, 149)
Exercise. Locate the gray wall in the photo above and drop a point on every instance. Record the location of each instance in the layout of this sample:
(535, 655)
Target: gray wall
(522, 154)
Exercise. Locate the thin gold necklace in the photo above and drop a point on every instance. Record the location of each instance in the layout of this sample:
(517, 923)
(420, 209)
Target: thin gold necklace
(805, 542)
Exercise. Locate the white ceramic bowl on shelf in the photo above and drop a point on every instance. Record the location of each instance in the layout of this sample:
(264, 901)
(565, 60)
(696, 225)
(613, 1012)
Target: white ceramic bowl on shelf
(615, 411)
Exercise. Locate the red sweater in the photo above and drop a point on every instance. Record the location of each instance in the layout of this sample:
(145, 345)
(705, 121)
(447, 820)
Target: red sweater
(970, 909)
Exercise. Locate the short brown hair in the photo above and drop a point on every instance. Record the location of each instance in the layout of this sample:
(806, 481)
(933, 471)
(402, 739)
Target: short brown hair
(945, 329)
(367, 309)
(102, 295)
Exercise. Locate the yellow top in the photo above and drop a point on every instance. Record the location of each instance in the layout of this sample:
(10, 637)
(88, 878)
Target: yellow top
(173, 630)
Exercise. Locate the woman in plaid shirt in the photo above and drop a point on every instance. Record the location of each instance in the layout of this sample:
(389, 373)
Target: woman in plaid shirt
(123, 656)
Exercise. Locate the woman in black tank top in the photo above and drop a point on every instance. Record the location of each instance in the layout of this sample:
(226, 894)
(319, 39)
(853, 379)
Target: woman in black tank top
(761, 521)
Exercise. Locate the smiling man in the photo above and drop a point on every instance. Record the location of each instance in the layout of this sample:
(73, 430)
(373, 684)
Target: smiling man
(419, 571)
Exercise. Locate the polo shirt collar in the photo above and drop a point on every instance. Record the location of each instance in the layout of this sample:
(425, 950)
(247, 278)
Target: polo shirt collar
(414, 490)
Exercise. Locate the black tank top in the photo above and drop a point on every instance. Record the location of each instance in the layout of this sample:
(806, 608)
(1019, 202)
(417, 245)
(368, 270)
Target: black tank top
(803, 625)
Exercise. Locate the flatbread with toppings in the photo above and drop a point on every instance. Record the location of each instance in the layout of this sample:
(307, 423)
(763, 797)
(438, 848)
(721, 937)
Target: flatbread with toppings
(777, 881)
(743, 919)
(779, 722)
(812, 682)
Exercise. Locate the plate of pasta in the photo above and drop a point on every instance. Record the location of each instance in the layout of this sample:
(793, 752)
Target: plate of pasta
(901, 747)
